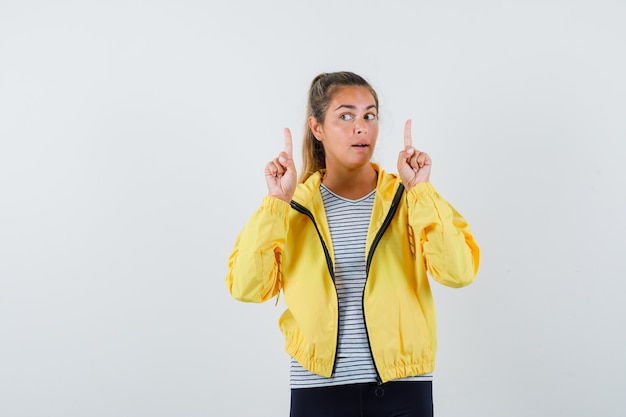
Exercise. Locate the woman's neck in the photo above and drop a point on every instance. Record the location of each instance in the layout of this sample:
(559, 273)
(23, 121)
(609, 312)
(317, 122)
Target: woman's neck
(351, 184)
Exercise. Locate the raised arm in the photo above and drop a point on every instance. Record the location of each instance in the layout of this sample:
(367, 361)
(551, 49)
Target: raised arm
(449, 250)
(254, 265)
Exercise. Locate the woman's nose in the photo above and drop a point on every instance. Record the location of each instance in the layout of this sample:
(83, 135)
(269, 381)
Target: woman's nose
(359, 127)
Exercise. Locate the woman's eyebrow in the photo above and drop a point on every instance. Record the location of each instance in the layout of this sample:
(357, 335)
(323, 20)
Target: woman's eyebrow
(353, 107)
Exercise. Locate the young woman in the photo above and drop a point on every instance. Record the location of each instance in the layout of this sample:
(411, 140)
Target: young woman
(350, 246)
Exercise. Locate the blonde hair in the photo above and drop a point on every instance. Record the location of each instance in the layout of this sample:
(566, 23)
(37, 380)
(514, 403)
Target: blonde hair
(323, 87)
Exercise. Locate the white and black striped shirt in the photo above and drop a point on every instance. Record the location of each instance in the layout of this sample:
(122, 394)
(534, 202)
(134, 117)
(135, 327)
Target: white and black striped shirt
(348, 221)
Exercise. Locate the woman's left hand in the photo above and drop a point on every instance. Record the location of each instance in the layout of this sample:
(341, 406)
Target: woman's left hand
(413, 165)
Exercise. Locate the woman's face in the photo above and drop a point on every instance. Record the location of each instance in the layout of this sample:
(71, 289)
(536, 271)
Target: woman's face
(350, 128)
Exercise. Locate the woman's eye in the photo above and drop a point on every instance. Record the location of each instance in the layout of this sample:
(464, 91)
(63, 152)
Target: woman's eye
(346, 116)
(370, 116)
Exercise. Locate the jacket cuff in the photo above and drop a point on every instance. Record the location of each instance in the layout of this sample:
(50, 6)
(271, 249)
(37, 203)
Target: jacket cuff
(420, 190)
(275, 206)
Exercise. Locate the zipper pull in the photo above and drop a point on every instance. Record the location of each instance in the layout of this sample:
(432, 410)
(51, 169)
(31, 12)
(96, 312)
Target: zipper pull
(379, 391)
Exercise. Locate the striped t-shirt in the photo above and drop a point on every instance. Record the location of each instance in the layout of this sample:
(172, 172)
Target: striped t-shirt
(348, 221)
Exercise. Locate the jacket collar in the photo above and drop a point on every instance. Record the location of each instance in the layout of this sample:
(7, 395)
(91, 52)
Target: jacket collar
(307, 193)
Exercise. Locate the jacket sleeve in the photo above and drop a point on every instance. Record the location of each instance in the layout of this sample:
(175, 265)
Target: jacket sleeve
(254, 264)
(447, 245)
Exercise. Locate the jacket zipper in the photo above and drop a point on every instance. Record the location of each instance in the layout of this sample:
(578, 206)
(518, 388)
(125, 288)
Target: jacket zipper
(329, 262)
(392, 212)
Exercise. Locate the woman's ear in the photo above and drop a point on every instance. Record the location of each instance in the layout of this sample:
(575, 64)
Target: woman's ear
(316, 128)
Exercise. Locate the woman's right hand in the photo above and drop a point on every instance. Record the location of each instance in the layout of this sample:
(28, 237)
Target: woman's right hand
(280, 172)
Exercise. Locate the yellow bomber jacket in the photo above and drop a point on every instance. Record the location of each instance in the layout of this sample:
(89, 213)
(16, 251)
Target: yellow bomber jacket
(289, 248)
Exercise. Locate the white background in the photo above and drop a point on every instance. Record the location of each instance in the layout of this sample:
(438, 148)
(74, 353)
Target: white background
(133, 137)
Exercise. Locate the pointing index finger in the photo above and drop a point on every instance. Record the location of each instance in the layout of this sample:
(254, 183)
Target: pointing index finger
(408, 140)
(288, 143)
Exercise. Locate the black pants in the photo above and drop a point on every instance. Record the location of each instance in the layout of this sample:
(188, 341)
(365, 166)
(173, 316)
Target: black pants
(393, 399)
